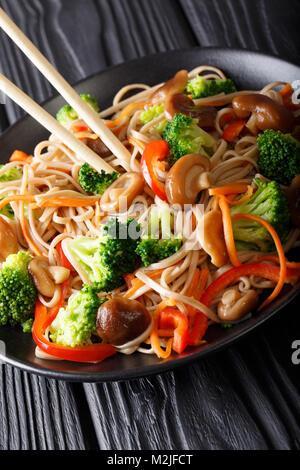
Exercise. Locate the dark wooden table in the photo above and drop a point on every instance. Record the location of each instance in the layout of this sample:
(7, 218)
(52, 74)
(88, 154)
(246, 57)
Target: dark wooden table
(246, 397)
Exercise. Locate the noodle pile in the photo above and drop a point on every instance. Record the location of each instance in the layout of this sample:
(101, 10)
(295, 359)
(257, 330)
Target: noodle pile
(53, 172)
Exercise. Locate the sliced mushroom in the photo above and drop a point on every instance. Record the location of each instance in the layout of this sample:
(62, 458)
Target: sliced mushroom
(268, 114)
(8, 240)
(293, 195)
(176, 84)
(186, 178)
(122, 192)
(59, 274)
(235, 305)
(211, 237)
(98, 147)
(121, 320)
(180, 103)
(39, 270)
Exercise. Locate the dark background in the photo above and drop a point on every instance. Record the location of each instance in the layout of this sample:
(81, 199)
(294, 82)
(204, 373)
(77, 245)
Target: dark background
(246, 397)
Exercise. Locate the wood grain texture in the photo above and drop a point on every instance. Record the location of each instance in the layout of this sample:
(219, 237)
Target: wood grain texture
(243, 398)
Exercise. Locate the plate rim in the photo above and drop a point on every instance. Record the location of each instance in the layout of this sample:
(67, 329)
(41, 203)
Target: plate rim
(164, 366)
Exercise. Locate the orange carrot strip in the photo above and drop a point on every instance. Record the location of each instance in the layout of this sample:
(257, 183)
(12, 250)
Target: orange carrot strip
(201, 284)
(126, 111)
(194, 282)
(137, 283)
(25, 231)
(228, 232)
(275, 259)
(286, 91)
(16, 197)
(154, 338)
(67, 202)
(232, 188)
(283, 267)
(19, 156)
(242, 199)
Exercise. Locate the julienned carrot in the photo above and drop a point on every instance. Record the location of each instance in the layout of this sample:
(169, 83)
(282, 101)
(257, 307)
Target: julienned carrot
(204, 273)
(275, 259)
(244, 198)
(19, 156)
(137, 283)
(16, 197)
(68, 202)
(25, 231)
(141, 145)
(286, 91)
(232, 188)
(228, 232)
(283, 266)
(126, 111)
(193, 284)
(154, 338)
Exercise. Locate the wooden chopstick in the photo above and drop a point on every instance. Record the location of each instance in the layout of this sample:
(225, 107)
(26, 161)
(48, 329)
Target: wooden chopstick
(83, 110)
(83, 152)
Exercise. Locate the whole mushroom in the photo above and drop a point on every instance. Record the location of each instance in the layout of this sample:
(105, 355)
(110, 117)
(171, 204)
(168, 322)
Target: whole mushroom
(122, 191)
(180, 103)
(235, 305)
(120, 320)
(176, 84)
(265, 113)
(186, 178)
(211, 237)
(8, 240)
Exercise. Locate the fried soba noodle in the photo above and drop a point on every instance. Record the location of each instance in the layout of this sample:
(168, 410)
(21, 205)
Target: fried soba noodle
(54, 207)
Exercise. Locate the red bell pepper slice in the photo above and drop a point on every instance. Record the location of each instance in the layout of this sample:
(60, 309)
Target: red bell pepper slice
(94, 353)
(154, 152)
(263, 270)
(80, 128)
(233, 130)
(198, 330)
(173, 318)
(63, 259)
(54, 311)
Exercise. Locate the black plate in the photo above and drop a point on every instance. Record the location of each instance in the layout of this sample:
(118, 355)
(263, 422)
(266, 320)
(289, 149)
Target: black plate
(250, 70)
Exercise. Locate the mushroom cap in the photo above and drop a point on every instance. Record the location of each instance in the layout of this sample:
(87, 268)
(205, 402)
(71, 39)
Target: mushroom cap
(211, 237)
(186, 178)
(269, 114)
(120, 320)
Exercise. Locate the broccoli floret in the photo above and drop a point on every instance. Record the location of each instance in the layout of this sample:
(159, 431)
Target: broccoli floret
(184, 136)
(74, 325)
(107, 258)
(279, 156)
(270, 203)
(198, 87)
(17, 291)
(7, 211)
(27, 325)
(158, 242)
(151, 113)
(67, 114)
(94, 182)
(12, 174)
